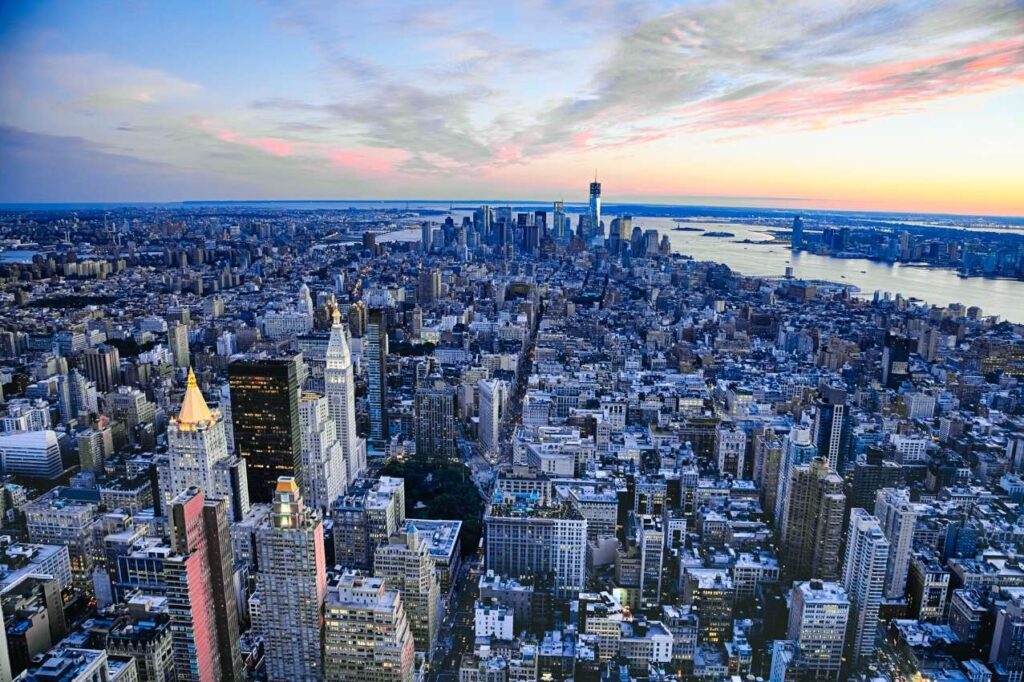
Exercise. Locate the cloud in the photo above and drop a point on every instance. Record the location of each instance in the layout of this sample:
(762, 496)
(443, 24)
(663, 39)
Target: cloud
(91, 81)
(50, 168)
(723, 66)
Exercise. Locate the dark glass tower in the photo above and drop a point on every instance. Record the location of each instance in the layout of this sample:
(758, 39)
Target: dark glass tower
(265, 416)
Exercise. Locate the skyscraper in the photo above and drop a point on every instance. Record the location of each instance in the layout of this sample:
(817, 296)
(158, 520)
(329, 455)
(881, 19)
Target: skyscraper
(292, 586)
(832, 433)
(896, 360)
(595, 207)
(200, 594)
(177, 340)
(376, 369)
(490, 397)
(103, 365)
(366, 635)
(815, 525)
(867, 554)
(265, 415)
(405, 564)
(195, 443)
(797, 238)
(558, 221)
(818, 618)
(425, 235)
(797, 449)
(428, 286)
(323, 463)
(897, 517)
(435, 424)
(339, 385)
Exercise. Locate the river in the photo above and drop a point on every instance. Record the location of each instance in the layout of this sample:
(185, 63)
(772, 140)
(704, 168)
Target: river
(1001, 297)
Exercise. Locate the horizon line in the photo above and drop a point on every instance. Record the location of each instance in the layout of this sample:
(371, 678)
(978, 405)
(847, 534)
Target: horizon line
(453, 202)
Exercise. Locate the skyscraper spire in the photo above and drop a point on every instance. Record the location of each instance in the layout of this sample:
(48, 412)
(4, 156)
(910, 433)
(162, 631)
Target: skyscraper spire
(194, 410)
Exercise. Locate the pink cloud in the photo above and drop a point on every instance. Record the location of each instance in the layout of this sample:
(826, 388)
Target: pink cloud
(375, 161)
(274, 146)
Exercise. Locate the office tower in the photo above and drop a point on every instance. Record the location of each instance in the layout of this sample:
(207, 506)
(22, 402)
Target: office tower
(711, 594)
(405, 564)
(292, 585)
(815, 525)
(428, 287)
(558, 221)
(224, 396)
(927, 587)
(370, 513)
(651, 543)
(265, 416)
(832, 433)
(897, 517)
(730, 449)
(200, 591)
(896, 360)
(797, 238)
(426, 232)
(818, 617)
(525, 538)
(797, 449)
(595, 207)
(435, 424)
(1007, 651)
(376, 353)
(177, 340)
(323, 463)
(31, 453)
(305, 300)
(482, 221)
(340, 388)
(867, 555)
(195, 443)
(491, 397)
(231, 484)
(367, 637)
(871, 473)
(103, 365)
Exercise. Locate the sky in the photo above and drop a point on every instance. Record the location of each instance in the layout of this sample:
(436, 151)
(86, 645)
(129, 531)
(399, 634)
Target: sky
(870, 105)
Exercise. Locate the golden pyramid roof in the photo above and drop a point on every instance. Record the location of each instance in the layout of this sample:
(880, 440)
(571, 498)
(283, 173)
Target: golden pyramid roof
(193, 408)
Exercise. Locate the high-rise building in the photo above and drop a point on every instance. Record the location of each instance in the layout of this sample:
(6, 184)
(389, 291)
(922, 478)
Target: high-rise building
(832, 432)
(491, 397)
(818, 617)
(367, 637)
(376, 353)
(797, 238)
(428, 286)
(797, 449)
(265, 416)
(1007, 651)
(195, 443)
(867, 555)
(595, 207)
(371, 512)
(340, 388)
(871, 473)
(730, 449)
(200, 593)
(435, 424)
(558, 230)
(897, 517)
(426, 231)
(177, 340)
(651, 543)
(896, 360)
(815, 524)
(102, 364)
(405, 564)
(292, 586)
(524, 538)
(323, 463)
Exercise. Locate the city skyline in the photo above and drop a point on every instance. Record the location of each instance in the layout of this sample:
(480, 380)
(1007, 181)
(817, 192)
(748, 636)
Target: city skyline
(724, 103)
